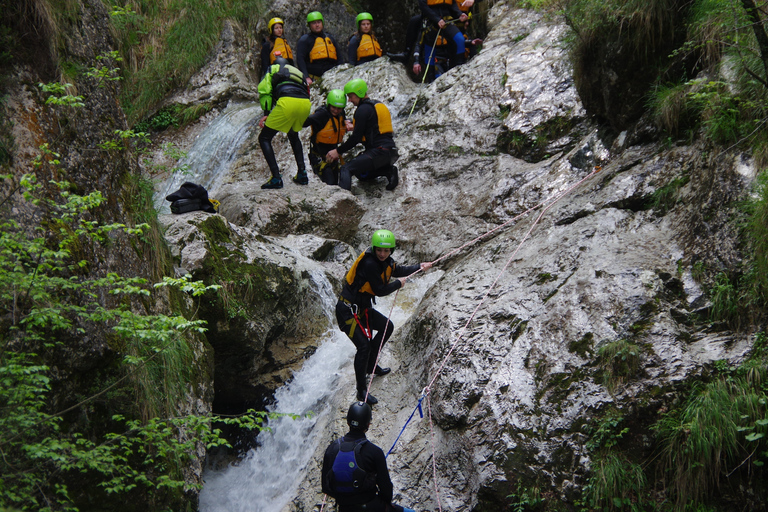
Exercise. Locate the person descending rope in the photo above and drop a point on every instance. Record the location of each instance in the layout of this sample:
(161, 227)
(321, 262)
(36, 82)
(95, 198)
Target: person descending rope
(284, 96)
(363, 45)
(355, 470)
(275, 45)
(328, 128)
(368, 278)
(317, 52)
(372, 128)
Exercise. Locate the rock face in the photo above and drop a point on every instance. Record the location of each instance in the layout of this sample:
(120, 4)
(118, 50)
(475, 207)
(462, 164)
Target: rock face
(508, 338)
(542, 261)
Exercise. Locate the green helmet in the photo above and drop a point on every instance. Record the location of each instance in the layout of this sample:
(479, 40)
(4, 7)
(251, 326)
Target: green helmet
(363, 16)
(336, 98)
(356, 86)
(383, 238)
(314, 16)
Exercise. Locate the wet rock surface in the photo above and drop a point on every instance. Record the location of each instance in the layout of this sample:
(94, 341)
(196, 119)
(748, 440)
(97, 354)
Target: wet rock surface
(572, 270)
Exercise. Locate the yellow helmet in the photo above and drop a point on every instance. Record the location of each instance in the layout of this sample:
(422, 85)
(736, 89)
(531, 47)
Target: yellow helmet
(273, 22)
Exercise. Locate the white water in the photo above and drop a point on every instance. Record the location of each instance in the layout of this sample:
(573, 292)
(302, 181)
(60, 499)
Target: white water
(213, 151)
(267, 478)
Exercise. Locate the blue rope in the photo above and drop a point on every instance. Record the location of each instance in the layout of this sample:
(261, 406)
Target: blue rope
(421, 413)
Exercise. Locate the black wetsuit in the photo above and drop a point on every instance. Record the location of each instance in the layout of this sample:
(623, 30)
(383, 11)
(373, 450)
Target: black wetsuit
(318, 67)
(372, 460)
(373, 272)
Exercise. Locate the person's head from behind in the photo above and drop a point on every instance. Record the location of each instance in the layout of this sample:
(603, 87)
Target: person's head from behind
(359, 416)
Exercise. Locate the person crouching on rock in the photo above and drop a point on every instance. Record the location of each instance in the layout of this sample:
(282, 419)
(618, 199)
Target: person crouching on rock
(372, 128)
(369, 278)
(329, 124)
(284, 97)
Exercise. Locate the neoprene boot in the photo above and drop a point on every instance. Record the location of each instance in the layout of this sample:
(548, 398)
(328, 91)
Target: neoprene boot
(380, 372)
(345, 178)
(392, 178)
(273, 183)
(298, 154)
(301, 177)
(371, 400)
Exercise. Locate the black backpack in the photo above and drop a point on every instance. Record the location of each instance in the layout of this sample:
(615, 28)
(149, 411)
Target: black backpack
(346, 476)
(191, 197)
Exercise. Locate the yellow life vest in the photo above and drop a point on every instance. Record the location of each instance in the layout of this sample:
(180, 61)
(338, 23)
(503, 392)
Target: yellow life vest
(332, 133)
(383, 117)
(439, 2)
(323, 49)
(280, 45)
(366, 287)
(368, 47)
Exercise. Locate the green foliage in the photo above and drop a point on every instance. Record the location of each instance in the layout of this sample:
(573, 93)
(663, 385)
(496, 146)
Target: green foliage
(164, 43)
(757, 234)
(717, 432)
(525, 500)
(606, 433)
(57, 95)
(173, 115)
(615, 483)
(618, 361)
(725, 300)
(48, 296)
(666, 197)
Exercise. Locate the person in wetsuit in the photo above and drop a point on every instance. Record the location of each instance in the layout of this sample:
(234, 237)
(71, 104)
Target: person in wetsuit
(363, 45)
(329, 124)
(369, 277)
(354, 470)
(284, 97)
(373, 129)
(275, 45)
(317, 52)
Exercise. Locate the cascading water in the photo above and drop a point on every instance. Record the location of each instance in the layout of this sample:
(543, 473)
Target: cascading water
(213, 151)
(266, 480)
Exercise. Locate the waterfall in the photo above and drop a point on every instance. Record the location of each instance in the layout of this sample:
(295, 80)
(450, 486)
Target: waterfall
(267, 478)
(212, 153)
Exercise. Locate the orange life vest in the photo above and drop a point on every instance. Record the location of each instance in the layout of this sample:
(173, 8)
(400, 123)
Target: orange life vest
(280, 45)
(383, 117)
(368, 47)
(439, 2)
(332, 133)
(323, 49)
(366, 287)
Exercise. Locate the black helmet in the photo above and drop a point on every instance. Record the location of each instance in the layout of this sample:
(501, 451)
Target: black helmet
(279, 59)
(359, 416)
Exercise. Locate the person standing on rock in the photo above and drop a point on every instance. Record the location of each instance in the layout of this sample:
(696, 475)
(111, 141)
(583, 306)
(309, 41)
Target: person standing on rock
(355, 470)
(328, 128)
(317, 52)
(284, 97)
(275, 45)
(369, 277)
(373, 129)
(363, 45)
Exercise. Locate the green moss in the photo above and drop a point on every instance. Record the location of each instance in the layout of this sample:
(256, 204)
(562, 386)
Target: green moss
(583, 347)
